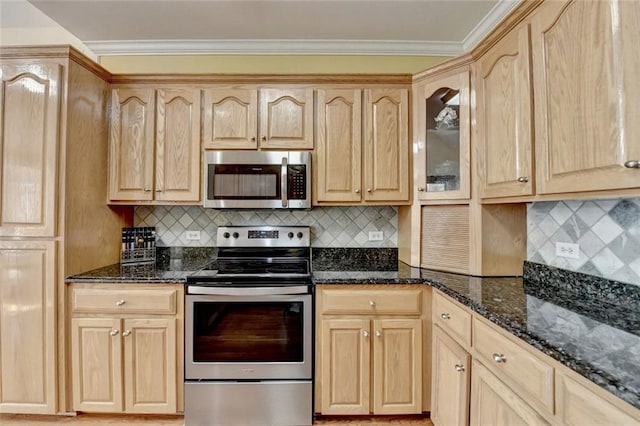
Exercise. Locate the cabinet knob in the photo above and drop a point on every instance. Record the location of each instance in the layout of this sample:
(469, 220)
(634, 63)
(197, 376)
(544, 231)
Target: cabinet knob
(126, 333)
(499, 358)
(264, 138)
(459, 367)
(120, 302)
(445, 316)
(632, 164)
(523, 179)
(372, 303)
(378, 333)
(147, 190)
(420, 189)
(368, 189)
(365, 333)
(114, 332)
(357, 191)
(253, 139)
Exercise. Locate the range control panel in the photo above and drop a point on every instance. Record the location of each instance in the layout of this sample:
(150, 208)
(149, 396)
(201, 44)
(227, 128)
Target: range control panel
(263, 236)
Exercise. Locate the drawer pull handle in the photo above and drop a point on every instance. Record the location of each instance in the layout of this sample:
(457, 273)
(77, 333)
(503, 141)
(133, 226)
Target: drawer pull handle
(372, 303)
(365, 333)
(378, 333)
(126, 333)
(632, 164)
(459, 367)
(499, 358)
(114, 332)
(120, 302)
(445, 316)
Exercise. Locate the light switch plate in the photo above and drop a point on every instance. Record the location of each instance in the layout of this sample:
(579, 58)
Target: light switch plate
(568, 250)
(376, 236)
(193, 235)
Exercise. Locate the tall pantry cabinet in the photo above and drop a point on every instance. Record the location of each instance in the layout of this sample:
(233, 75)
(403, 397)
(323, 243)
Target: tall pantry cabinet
(54, 220)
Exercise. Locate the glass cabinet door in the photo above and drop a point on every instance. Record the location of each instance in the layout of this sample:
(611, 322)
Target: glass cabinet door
(443, 138)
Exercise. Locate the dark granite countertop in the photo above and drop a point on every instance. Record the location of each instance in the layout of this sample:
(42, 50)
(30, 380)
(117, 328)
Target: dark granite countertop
(565, 315)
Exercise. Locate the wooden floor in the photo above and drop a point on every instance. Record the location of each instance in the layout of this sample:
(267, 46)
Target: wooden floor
(120, 420)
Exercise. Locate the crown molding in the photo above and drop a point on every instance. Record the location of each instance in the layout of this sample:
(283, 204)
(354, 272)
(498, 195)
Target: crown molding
(489, 23)
(274, 47)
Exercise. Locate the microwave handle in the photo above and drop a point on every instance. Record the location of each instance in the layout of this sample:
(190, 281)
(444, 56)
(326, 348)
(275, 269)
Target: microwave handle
(283, 182)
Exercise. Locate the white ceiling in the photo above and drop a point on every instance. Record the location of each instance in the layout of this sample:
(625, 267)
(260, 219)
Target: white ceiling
(413, 27)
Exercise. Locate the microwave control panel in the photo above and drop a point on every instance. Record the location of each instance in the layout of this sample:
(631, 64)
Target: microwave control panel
(297, 184)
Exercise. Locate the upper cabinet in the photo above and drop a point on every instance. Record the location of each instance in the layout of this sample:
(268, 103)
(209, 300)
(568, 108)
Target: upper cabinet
(251, 118)
(30, 110)
(585, 63)
(362, 152)
(160, 162)
(503, 117)
(442, 135)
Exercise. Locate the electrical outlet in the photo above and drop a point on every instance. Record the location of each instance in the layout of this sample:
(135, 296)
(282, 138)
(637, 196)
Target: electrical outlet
(193, 235)
(568, 250)
(376, 236)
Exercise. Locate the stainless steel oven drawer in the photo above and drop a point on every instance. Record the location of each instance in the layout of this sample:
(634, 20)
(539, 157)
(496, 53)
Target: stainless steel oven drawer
(278, 403)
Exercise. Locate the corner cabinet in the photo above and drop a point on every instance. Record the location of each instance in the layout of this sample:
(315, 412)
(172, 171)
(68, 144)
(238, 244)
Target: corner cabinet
(503, 116)
(371, 351)
(269, 118)
(585, 64)
(126, 348)
(443, 137)
(154, 145)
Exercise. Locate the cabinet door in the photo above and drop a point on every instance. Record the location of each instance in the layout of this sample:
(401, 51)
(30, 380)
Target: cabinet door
(131, 145)
(443, 134)
(397, 366)
(30, 111)
(27, 333)
(96, 356)
(450, 381)
(504, 113)
(178, 145)
(286, 118)
(345, 358)
(230, 119)
(493, 403)
(150, 365)
(386, 152)
(338, 156)
(585, 64)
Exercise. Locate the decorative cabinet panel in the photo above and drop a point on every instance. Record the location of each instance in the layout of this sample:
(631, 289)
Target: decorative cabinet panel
(27, 327)
(160, 162)
(338, 159)
(285, 118)
(586, 108)
(504, 117)
(30, 102)
(386, 145)
(451, 379)
(124, 360)
(443, 135)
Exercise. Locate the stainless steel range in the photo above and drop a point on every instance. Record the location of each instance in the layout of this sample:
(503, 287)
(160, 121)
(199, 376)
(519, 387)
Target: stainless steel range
(249, 331)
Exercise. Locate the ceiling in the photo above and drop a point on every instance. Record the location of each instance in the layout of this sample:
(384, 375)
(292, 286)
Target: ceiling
(405, 27)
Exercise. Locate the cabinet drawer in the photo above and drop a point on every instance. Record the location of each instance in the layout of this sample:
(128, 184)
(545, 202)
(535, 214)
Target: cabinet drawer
(371, 302)
(452, 318)
(124, 301)
(528, 373)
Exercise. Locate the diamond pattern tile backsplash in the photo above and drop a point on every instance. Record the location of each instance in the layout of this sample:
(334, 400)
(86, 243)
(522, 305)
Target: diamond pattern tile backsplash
(607, 231)
(330, 226)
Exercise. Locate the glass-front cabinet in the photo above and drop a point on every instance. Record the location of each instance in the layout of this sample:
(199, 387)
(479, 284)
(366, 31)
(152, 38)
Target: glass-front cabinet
(442, 137)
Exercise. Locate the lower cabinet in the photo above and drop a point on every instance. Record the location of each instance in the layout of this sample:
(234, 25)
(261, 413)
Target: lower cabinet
(494, 403)
(451, 378)
(370, 352)
(122, 358)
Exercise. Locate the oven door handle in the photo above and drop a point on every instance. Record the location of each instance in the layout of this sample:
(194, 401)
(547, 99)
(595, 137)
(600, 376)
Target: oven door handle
(247, 291)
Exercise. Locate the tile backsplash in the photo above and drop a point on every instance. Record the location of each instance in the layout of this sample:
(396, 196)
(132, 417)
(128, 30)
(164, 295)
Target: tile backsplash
(330, 226)
(607, 231)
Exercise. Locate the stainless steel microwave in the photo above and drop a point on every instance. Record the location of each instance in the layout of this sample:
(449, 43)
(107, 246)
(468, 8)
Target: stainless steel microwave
(257, 179)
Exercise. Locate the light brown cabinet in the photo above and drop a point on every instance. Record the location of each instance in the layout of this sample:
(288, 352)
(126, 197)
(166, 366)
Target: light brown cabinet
(125, 357)
(154, 145)
(268, 118)
(585, 66)
(504, 113)
(370, 361)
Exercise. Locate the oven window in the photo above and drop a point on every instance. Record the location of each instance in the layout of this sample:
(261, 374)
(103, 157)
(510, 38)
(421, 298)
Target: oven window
(248, 332)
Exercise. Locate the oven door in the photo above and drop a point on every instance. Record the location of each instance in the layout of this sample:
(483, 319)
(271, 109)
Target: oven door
(248, 334)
